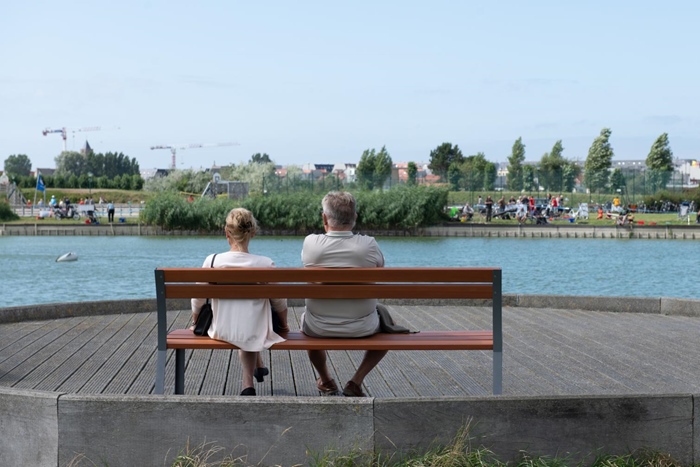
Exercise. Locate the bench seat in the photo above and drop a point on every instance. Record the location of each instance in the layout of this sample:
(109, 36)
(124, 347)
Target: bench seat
(296, 340)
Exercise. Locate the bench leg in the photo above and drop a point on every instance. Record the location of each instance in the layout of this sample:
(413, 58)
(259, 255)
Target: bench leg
(179, 371)
(160, 372)
(497, 373)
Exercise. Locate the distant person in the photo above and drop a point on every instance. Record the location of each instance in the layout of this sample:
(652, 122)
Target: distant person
(467, 212)
(110, 212)
(489, 208)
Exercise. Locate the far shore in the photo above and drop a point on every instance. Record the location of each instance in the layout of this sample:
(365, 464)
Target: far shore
(453, 229)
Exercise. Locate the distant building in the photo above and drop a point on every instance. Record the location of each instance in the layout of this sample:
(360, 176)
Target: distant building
(147, 174)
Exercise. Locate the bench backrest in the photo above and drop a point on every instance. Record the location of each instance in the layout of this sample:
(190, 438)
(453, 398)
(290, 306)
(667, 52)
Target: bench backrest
(481, 283)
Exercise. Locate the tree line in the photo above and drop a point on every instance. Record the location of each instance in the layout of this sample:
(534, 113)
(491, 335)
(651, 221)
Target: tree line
(79, 170)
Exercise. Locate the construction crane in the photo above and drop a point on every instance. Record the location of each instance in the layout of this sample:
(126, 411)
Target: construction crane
(64, 132)
(174, 147)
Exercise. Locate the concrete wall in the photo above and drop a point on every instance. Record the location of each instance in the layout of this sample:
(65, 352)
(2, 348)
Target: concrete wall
(575, 427)
(28, 427)
(49, 429)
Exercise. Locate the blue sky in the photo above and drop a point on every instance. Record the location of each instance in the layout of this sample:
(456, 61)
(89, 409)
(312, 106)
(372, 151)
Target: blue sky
(322, 81)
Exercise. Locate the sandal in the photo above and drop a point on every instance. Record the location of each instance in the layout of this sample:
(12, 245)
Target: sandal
(327, 389)
(260, 374)
(353, 390)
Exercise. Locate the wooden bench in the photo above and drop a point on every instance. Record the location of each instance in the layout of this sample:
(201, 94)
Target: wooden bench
(381, 283)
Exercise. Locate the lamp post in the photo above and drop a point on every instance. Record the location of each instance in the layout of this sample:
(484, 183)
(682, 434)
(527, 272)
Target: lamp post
(90, 184)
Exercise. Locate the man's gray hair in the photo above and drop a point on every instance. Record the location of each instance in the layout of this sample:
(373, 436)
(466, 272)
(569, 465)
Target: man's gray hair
(339, 207)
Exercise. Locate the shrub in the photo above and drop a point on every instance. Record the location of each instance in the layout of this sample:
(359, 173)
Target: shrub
(6, 212)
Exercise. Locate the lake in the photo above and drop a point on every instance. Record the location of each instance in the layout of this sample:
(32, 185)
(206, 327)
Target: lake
(114, 268)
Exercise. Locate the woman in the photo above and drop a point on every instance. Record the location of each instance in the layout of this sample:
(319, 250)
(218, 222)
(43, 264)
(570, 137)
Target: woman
(245, 323)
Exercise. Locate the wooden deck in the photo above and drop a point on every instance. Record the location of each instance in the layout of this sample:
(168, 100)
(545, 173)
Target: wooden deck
(546, 352)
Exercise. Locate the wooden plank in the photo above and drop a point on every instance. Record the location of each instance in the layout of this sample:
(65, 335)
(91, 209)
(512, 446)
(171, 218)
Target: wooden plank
(101, 351)
(67, 370)
(126, 376)
(134, 331)
(330, 291)
(55, 354)
(425, 340)
(214, 383)
(336, 275)
(302, 371)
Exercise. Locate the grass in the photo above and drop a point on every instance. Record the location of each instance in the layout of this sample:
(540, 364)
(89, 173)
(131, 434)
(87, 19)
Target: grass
(458, 453)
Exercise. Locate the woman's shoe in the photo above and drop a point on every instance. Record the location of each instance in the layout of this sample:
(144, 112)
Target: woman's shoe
(260, 374)
(353, 390)
(248, 392)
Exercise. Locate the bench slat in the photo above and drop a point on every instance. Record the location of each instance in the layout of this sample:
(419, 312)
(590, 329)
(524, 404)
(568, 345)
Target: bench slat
(359, 275)
(424, 340)
(329, 291)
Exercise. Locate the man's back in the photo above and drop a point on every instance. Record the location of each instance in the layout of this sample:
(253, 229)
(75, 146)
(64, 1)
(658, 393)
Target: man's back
(335, 318)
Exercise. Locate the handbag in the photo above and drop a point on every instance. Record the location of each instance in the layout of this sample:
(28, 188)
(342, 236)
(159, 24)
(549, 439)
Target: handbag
(206, 315)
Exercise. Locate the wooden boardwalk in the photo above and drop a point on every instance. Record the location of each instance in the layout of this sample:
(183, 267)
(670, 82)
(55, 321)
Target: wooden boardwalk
(546, 352)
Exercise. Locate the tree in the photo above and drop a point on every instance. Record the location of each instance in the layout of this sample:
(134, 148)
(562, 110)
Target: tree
(442, 157)
(660, 162)
(599, 161)
(617, 180)
(552, 164)
(515, 166)
(477, 173)
(412, 173)
(382, 167)
(258, 158)
(365, 169)
(18, 165)
(570, 172)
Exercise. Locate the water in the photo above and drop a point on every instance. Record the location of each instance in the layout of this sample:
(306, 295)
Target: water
(114, 268)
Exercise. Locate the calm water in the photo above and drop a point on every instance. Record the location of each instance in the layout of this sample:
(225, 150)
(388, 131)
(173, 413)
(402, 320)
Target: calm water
(112, 268)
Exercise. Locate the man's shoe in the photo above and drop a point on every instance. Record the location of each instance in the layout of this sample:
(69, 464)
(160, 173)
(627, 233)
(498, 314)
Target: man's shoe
(353, 390)
(327, 389)
(248, 392)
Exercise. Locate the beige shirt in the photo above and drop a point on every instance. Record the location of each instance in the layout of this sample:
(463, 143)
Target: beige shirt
(341, 318)
(245, 323)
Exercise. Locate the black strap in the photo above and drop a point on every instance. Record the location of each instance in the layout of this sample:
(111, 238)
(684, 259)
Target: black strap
(212, 265)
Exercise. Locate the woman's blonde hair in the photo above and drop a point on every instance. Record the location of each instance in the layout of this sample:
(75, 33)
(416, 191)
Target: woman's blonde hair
(241, 226)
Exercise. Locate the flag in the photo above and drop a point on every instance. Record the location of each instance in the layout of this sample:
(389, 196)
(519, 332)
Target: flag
(40, 184)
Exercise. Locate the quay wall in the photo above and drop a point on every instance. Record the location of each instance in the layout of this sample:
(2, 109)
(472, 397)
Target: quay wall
(674, 232)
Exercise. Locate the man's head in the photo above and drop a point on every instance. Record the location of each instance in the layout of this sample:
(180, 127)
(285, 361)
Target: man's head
(339, 210)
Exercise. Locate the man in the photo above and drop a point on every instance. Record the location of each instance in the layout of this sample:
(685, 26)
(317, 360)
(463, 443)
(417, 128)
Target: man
(339, 247)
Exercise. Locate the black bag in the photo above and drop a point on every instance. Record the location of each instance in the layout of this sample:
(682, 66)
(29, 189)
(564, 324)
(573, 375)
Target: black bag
(206, 315)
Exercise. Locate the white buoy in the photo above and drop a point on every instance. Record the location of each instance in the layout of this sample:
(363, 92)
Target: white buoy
(67, 257)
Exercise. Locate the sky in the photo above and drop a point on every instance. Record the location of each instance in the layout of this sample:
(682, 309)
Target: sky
(320, 82)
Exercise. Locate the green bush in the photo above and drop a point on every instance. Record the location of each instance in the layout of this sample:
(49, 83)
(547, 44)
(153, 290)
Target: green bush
(403, 207)
(6, 212)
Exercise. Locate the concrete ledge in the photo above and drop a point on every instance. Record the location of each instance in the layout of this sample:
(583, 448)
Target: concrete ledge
(592, 303)
(49, 429)
(574, 427)
(151, 430)
(28, 427)
(680, 307)
(69, 310)
(663, 305)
